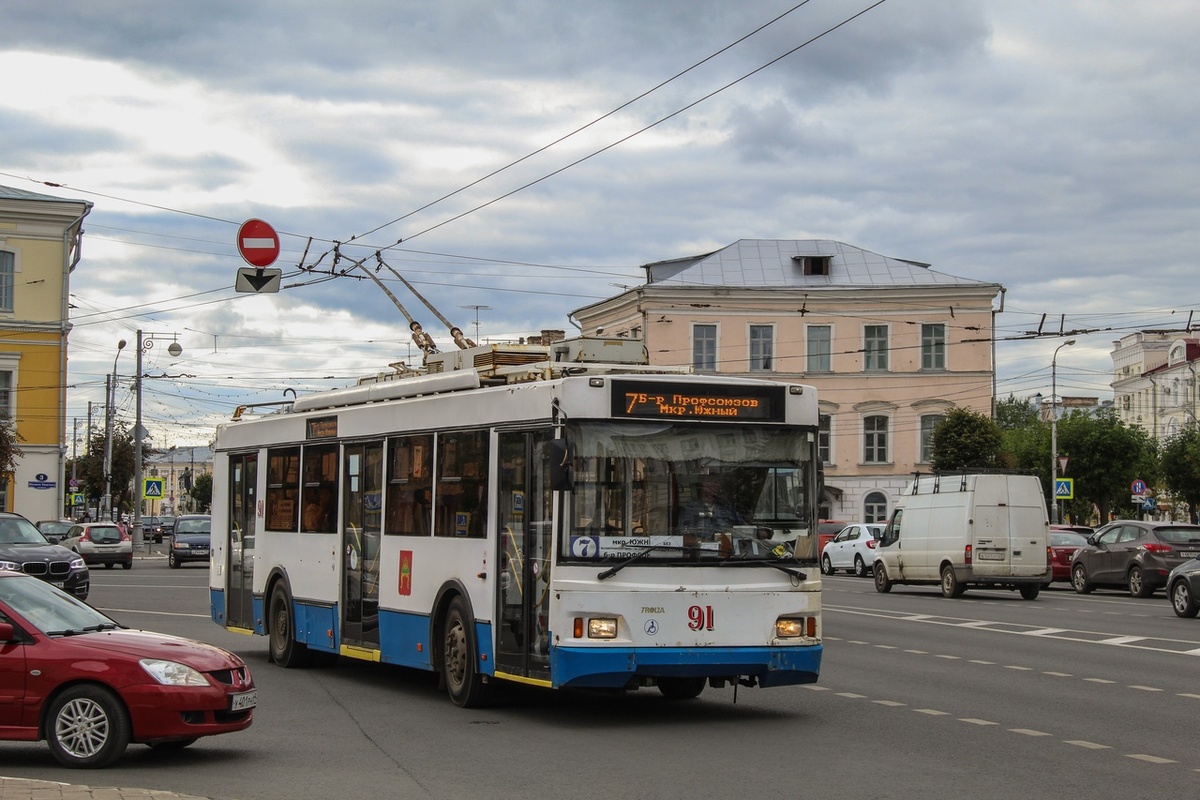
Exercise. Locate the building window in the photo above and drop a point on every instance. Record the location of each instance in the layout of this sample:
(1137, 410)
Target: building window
(6, 395)
(933, 346)
(875, 508)
(761, 346)
(875, 440)
(7, 262)
(820, 339)
(824, 431)
(875, 348)
(929, 424)
(704, 348)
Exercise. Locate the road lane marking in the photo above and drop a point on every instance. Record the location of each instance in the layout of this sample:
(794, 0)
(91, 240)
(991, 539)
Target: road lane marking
(1028, 732)
(1089, 745)
(1150, 759)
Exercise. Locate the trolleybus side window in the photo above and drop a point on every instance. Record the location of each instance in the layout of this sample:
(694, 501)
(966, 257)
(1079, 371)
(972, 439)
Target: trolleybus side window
(283, 489)
(462, 493)
(410, 485)
(319, 494)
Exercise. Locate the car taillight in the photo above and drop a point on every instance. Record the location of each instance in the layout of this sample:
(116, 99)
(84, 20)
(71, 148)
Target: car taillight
(871, 544)
(86, 536)
(124, 536)
(1155, 547)
(1049, 554)
(967, 551)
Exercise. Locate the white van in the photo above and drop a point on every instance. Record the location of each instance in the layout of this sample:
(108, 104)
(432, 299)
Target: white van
(962, 530)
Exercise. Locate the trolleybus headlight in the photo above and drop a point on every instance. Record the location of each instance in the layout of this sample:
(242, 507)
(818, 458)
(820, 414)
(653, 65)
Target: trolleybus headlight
(602, 628)
(792, 627)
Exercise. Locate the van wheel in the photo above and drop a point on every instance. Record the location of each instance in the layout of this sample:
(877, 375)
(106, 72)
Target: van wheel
(950, 585)
(860, 567)
(1079, 579)
(882, 584)
(1030, 591)
(1137, 583)
(826, 565)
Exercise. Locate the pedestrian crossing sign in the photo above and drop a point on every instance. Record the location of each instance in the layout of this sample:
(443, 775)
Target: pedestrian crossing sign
(1064, 488)
(152, 488)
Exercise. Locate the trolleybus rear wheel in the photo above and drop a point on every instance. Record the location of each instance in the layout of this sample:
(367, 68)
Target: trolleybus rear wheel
(285, 650)
(459, 668)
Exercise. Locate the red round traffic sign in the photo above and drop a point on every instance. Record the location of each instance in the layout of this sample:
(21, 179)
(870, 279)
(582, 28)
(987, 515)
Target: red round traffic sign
(258, 243)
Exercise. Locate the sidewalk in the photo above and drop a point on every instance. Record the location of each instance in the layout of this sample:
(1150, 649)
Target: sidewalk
(26, 789)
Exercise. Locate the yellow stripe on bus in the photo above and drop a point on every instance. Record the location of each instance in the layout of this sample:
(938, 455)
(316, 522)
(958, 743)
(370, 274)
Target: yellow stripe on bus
(364, 653)
(522, 679)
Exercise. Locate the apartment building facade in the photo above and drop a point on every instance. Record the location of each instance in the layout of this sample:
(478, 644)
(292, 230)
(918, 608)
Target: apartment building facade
(891, 346)
(1154, 381)
(40, 239)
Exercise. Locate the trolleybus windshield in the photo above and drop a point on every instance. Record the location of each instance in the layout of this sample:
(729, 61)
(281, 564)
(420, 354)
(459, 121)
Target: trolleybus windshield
(687, 493)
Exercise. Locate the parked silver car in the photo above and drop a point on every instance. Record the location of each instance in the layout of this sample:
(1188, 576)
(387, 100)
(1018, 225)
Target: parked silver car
(101, 543)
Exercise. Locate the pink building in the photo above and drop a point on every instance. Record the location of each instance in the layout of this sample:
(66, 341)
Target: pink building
(891, 346)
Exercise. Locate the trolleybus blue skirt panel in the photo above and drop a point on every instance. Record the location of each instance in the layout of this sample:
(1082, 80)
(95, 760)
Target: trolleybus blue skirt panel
(593, 667)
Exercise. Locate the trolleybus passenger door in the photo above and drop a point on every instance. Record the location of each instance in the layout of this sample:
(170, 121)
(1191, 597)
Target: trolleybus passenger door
(361, 529)
(523, 555)
(239, 604)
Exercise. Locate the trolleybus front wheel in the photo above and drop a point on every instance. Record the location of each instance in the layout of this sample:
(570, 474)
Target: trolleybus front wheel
(459, 668)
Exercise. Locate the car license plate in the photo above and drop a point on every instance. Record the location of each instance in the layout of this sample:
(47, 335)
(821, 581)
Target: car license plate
(58, 584)
(240, 702)
(1189, 554)
(991, 555)
(200, 551)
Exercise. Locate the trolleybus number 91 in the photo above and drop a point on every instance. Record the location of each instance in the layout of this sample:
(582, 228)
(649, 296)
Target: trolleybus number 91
(700, 618)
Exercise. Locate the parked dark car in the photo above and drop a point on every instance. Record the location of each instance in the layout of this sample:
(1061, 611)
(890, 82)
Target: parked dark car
(1183, 589)
(191, 540)
(1134, 554)
(90, 686)
(156, 528)
(1063, 546)
(55, 530)
(24, 549)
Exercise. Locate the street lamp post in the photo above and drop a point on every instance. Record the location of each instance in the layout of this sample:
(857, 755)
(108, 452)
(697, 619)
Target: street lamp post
(144, 342)
(110, 391)
(1054, 431)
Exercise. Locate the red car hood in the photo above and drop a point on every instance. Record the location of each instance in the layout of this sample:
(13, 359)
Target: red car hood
(145, 644)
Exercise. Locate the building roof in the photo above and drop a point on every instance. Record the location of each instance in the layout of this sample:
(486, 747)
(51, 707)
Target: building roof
(10, 193)
(780, 262)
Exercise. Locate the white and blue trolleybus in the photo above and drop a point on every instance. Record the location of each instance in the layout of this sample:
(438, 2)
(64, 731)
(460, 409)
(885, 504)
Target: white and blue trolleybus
(562, 516)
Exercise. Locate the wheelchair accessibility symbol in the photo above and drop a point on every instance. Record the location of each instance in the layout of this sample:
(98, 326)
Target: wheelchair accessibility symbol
(651, 627)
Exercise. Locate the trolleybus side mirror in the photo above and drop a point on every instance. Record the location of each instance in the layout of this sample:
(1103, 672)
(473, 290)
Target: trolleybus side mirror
(561, 478)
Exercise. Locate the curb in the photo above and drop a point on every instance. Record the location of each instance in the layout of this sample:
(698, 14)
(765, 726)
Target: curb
(27, 789)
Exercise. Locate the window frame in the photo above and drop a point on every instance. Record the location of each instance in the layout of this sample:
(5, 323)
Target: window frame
(933, 346)
(875, 443)
(875, 348)
(704, 361)
(815, 360)
(761, 350)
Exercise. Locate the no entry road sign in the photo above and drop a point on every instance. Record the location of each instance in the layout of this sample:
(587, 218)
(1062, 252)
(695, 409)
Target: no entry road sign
(258, 243)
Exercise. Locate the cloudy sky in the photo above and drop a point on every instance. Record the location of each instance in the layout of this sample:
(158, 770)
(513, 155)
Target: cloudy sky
(517, 160)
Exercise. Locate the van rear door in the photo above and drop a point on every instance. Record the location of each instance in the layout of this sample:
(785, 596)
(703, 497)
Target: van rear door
(1010, 526)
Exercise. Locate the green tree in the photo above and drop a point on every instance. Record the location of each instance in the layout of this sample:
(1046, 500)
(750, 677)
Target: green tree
(1014, 413)
(10, 450)
(1181, 468)
(966, 439)
(201, 492)
(1104, 456)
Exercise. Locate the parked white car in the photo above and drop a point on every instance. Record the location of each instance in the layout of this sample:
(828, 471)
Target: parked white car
(852, 549)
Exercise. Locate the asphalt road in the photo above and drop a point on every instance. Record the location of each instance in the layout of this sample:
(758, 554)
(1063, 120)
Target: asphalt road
(986, 696)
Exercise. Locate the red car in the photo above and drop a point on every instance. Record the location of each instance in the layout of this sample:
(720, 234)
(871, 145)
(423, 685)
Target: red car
(89, 686)
(1063, 544)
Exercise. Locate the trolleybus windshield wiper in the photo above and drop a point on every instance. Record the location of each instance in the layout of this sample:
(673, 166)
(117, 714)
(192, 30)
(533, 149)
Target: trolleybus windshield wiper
(760, 562)
(615, 568)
